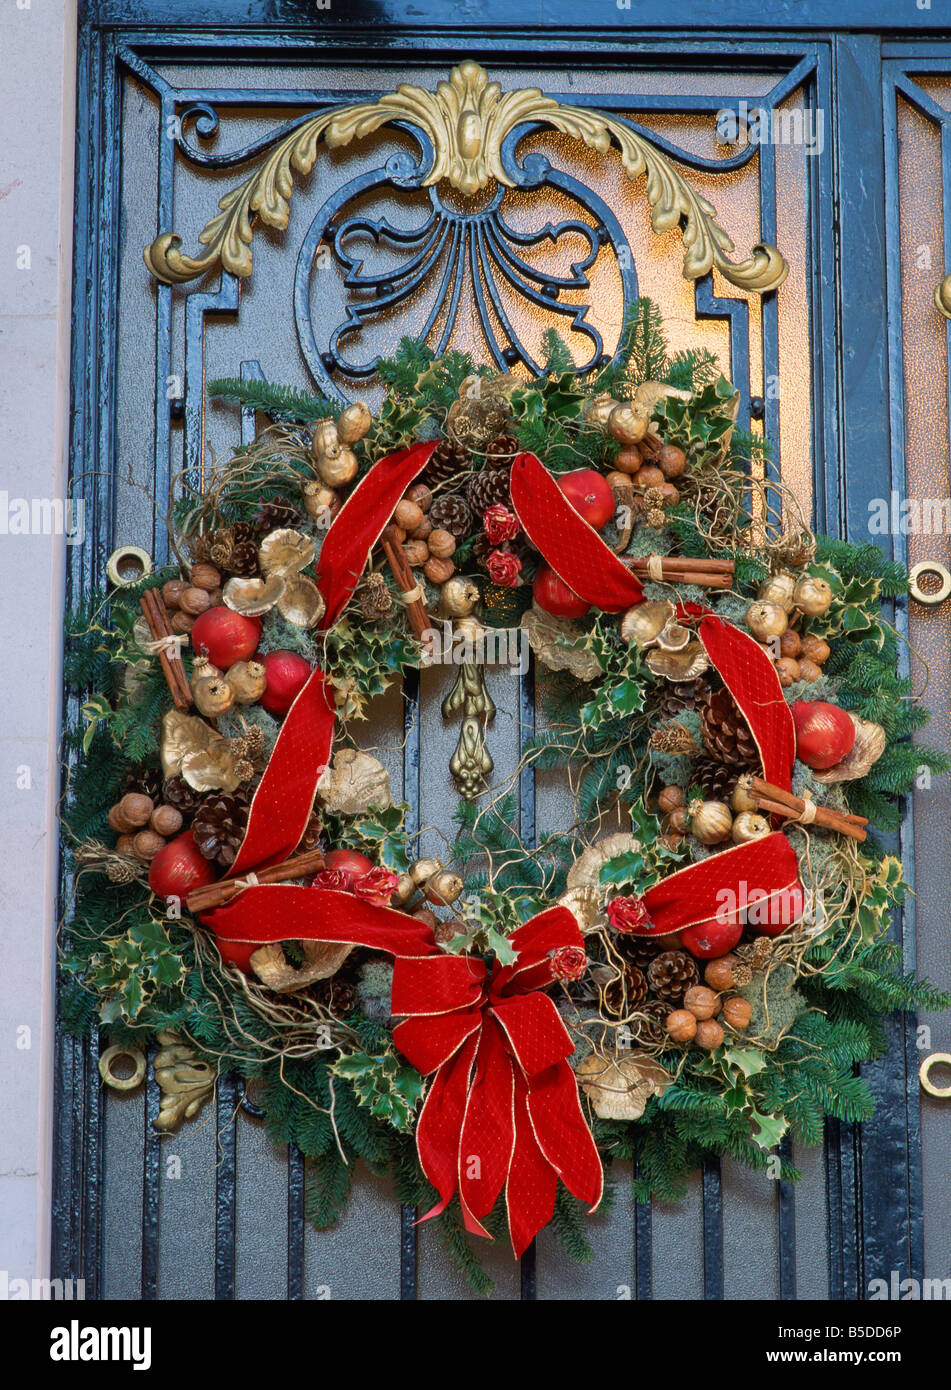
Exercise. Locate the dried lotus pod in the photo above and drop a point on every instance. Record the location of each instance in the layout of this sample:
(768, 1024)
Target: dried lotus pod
(301, 603)
(353, 423)
(620, 1086)
(252, 597)
(213, 696)
(286, 552)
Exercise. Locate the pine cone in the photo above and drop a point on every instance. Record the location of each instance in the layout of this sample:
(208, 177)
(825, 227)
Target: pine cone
(275, 516)
(636, 950)
(717, 780)
(145, 780)
(242, 531)
(625, 1000)
(725, 732)
(681, 695)
(487, 489)
(244, 559)
(176, 792)
(452, 514)
(501, 451)
(311, 836)
(672, 973)
(339, 996)
(447, 461)
(651, 1031)
(219, 826)
(375, 597)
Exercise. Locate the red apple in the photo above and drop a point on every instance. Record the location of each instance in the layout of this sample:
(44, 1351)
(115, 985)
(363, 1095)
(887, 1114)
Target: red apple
(824, 733)
(555, 597)
(590, 494)
(772, 916)
(287, 674)
(225, 636)
(348, 861)
(707, 940)
(179, 867)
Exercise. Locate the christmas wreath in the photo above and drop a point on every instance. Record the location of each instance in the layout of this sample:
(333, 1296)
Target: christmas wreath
(696, 966)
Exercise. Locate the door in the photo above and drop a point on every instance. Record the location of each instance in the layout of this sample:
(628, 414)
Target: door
(795, 138)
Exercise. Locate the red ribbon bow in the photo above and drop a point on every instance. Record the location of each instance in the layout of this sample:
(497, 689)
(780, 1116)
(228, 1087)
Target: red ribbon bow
(503, 1107)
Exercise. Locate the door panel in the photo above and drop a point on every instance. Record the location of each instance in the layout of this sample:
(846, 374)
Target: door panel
(232, 1224)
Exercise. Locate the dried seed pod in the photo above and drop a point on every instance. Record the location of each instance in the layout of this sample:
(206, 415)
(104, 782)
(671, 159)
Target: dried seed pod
(423, 869)
(248, 681)
(325, 441)
(626, 425)
(458, 597)
(741, 799)
(213, 696)
(321, 503)
(338, 470)
(749, 826)
(765, 620)
(194, 601)
(779, 589)
(166, 821)
(812, 595)
(135, 809)
(598, 410)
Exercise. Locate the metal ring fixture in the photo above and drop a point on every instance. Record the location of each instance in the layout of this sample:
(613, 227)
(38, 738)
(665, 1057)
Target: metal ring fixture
(938, 595)
(127, 565)
(122, 1083)
(924, 1073)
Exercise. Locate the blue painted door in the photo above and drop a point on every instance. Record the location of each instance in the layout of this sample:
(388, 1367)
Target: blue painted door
(835, 368)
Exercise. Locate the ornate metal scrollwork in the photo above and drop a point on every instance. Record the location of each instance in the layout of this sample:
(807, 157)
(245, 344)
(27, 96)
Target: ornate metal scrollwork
(466, 122)
(471, 764)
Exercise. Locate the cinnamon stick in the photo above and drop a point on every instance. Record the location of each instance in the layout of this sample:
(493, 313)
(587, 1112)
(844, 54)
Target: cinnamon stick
(214, 895)
(777, 802)
(416, 610)
(173, 668)
(677, 569)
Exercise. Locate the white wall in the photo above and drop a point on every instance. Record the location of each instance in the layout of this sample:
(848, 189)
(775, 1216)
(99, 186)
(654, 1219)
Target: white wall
(37, 117)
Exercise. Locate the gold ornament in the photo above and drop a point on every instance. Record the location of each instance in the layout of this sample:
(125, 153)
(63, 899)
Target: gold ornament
(741, 799)
(749, 826)
(319, 501)
(339, 470)
(868, 747)
(812, 595)
(710, 821)
(597, 410)
(185, 1082)
(322, 959)
(766, 619)
(778, 589)
(353, 423)
(443, 888)
(458, 597)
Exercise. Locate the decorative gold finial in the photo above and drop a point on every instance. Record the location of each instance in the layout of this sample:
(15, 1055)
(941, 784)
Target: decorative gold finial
(466, 120)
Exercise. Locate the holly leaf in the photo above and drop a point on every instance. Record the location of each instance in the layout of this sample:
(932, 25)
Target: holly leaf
(768, 1129)
(623, 869)
(749, 1060)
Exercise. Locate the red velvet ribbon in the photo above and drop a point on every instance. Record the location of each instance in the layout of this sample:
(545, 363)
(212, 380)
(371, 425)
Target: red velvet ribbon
(285, 795)
(574, 549)
(720, 887)
(503, 1108)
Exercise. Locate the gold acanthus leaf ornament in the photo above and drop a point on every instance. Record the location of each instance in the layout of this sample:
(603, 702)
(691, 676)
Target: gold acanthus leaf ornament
(466, 119)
